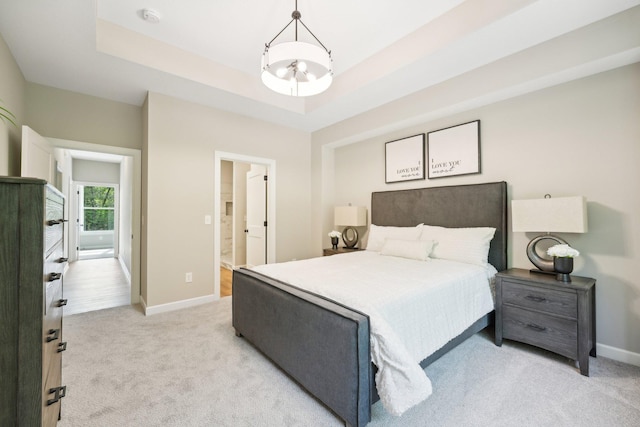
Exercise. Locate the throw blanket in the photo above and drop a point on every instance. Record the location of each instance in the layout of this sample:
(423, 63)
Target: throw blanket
(414, 308)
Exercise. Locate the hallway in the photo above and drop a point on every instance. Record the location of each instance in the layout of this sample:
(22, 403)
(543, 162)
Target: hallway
(95, 284)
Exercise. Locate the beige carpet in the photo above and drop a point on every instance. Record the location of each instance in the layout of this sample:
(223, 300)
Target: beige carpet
(187, 368)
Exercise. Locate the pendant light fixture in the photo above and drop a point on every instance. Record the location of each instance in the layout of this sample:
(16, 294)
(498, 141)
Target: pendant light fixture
(296, 68)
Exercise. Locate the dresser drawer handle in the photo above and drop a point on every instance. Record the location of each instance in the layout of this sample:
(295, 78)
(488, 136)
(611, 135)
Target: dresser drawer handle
(56, 221)
(54, 276)
(536, 327)
(54, 334)
(60, 392)
(62, 302)
(535, 299)
(61, 260)
(62, 347)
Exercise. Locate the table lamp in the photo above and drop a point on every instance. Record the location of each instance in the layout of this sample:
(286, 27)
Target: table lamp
(350, 217)
(548, 215)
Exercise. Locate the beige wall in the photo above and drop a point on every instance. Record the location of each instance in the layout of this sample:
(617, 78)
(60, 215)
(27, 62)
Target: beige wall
(12, 87)
(62, 114)
(96, 172)
(182, 140)
(578, 138)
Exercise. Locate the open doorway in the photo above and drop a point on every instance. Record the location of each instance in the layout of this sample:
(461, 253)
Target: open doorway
(51, 159)
(100, 224)
(244, 221)
(97, 281)
(235, 216)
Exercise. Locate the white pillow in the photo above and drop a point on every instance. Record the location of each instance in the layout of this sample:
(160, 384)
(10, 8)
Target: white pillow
(378, 233)
(469, 245)
(412, 249)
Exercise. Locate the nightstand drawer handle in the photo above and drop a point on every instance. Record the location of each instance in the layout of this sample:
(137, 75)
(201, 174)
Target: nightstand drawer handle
(536, 327)
(534, 298)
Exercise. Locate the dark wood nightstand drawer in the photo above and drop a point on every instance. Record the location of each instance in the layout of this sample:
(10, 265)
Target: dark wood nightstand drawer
(537, 309)
(546, 300)
(549, 332)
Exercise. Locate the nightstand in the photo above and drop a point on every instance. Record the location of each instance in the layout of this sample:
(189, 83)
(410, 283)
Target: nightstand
(340, 250)
(537, 309)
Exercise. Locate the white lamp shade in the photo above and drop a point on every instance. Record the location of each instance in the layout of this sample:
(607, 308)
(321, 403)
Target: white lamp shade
(317, 61)
(352, 216)
(555, 214)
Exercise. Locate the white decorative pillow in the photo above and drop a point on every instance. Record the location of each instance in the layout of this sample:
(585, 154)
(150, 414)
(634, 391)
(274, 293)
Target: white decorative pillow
(412, 249)
(378, 234)
(469, 245)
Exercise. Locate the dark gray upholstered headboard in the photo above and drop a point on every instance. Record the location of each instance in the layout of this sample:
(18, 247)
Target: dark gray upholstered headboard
(475, 205)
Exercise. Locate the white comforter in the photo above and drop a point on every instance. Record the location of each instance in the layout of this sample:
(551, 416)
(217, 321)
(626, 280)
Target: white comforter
(414, 307)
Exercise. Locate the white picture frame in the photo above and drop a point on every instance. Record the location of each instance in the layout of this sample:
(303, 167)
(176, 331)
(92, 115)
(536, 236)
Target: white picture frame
(404, 159)
(454, 150)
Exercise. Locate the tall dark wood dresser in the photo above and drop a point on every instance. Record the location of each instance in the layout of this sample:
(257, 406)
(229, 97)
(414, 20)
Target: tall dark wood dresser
(31, 302)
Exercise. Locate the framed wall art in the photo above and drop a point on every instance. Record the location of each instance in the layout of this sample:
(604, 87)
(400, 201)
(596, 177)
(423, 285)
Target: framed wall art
(454, 150)
(404, 159)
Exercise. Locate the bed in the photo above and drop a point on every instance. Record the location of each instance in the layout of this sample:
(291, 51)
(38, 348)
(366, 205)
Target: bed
(325, 345)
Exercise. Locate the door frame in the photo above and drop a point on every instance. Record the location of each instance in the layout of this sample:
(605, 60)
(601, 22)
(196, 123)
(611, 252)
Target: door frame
(270, 164)
(136, 199)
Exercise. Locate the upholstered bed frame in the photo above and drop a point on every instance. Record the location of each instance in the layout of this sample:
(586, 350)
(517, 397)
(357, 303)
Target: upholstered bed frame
(324, 345)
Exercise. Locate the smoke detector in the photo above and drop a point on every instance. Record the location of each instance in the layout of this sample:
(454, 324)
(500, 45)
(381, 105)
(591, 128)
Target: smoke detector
(150, 15)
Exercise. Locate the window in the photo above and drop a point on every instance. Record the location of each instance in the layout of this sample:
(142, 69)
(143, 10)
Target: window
(99, 208)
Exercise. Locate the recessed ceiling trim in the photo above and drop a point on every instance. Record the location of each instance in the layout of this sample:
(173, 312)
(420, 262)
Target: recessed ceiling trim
(455, 24)
(120, 42)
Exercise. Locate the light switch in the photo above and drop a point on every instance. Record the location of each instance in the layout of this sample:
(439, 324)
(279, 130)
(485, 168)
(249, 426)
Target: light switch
(207, 219)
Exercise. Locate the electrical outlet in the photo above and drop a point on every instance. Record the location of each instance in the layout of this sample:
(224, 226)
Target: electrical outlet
(188, 278)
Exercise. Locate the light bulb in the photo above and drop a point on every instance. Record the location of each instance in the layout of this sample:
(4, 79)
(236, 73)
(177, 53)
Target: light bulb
(311, 77)
(301, 66)
(281, 72)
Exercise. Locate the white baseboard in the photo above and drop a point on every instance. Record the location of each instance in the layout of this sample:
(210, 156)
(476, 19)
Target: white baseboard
(177, 305)
(618, 354)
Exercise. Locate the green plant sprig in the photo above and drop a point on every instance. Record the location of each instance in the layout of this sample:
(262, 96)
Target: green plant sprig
(7, 115)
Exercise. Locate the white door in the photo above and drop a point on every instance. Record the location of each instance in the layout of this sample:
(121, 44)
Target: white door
(37, 156)
(256, 231)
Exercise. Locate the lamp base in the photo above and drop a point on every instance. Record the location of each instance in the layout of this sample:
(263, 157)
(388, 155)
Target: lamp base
(350, 237)
(543, 264)
(537, 271)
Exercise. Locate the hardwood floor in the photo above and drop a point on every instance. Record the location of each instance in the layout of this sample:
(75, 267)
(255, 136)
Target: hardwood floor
(95, 284)
(226, 284)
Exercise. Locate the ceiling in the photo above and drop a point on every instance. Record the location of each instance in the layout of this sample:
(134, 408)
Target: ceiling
(209, 51)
